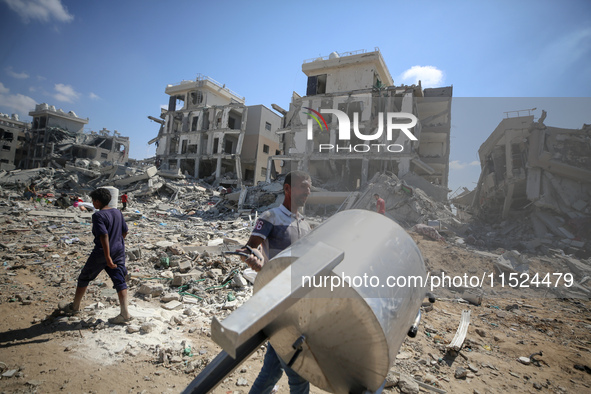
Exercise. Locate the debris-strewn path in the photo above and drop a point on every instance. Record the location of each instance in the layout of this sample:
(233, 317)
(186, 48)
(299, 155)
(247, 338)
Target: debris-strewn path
(179, 280)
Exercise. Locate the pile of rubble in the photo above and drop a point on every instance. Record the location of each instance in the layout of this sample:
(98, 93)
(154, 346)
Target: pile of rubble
(405, 203)
(177, 272)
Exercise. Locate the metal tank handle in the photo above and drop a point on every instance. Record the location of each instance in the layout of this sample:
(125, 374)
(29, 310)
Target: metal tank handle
(274, 298)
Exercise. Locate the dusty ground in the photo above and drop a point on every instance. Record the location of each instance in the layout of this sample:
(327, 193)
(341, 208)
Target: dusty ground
(65, 355)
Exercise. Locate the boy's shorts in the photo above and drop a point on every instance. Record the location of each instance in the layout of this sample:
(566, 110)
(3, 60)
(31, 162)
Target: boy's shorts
(96, 263)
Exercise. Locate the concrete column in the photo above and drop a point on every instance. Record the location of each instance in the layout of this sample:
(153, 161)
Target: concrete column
(197, 160)
(218, 168)
(364, 170)
(269, 164)
(403, 166)
(178, 163)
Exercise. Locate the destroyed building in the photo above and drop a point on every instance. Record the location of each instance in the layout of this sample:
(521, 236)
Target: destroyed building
(58, 138)
(261, 143)
(360, 85)
(537, 173)
(12, 137)
(210, 135)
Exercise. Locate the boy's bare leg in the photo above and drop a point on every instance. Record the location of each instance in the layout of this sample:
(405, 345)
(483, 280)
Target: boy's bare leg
(80, 291)
(122, 294)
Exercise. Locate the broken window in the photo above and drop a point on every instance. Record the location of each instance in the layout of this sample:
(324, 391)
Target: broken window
(192, 149)
(177, 126)
(180, 101)
(265, 148)
(104, 155)
(267, 126)
(205, 125)
(228, 146)
(216, 141)
(174, 144)
(4, 161)
(194, 123)
(172, 103)
(184, 147)
(249, 175)
(218, 119)
(196, 97)
(234, 120)
(263, 171)
(316, 85)
(518, 157)
(6, 147)
(277, 152)
(8, 136)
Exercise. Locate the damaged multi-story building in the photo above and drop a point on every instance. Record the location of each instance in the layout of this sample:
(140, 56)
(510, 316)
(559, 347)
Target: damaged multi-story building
(526, 164)
(360, 86)
(13, 135)
(208, 132)
(58, 138)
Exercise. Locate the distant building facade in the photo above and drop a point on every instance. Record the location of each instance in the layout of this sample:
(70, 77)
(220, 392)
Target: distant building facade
(204, 130)
(260, 143)
(359, 85)
(13, 136)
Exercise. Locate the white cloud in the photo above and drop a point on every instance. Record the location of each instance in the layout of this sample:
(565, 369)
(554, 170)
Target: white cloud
(93, 96)
(16, 103)
(3, 89)
(41, 10)
(428, 75)
(16, 75)
(65, 93)
(457, 165)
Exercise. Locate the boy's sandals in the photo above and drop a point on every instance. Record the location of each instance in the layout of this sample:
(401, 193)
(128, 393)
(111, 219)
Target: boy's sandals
(119, 319)
(68, 309)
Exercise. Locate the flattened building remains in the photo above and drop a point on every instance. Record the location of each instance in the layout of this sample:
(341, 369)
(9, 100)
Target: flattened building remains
(57, 139)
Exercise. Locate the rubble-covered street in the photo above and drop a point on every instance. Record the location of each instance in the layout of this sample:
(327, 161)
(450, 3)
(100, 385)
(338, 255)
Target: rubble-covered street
(179, 279)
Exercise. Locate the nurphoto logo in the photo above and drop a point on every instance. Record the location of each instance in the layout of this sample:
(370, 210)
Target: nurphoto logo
(344, 131)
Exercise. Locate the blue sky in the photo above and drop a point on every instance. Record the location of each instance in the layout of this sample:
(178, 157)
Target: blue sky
(110, 61)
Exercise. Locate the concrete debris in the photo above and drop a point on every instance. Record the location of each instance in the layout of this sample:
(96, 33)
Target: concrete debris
(512, 261)
(406, 384)
(407, 205)
(427, 231)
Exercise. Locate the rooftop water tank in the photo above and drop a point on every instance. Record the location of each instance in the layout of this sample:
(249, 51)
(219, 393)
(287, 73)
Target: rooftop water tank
(333, 55)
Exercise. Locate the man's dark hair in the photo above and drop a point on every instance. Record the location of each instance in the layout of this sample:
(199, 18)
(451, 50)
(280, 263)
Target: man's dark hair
(102, 195)
(376, 194)
(295, 175)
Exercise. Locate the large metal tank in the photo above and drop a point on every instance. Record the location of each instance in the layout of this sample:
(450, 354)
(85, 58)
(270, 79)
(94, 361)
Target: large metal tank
(352, 334)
